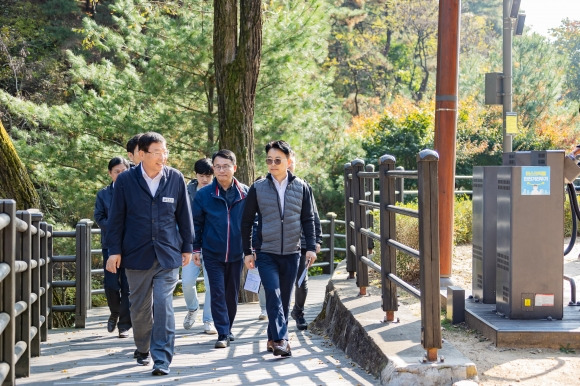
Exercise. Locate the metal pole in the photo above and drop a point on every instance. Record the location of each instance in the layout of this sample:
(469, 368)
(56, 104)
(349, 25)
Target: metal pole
(507, 72)
(446, 122)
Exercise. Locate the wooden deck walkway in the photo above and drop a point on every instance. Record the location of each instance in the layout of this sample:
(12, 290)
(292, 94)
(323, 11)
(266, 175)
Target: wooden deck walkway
(93, 356)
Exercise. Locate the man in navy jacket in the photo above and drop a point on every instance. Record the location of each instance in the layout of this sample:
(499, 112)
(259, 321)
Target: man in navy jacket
(217, 215)
(151, 236)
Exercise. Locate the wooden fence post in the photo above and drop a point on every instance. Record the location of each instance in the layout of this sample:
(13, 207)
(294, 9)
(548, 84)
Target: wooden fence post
(358, 189)
(400, 186)
(35, 284)
(348, 218)
(427, 162)
(388, 231)
(7, 312)
(331, 216)
(23, 291)
(83, 272)
(44, 282)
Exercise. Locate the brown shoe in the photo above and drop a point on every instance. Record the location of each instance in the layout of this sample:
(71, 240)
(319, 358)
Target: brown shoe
(282, 348)
(270, 346)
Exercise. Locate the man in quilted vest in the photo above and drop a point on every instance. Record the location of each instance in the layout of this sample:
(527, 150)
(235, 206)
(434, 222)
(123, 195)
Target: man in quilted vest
(284, 208)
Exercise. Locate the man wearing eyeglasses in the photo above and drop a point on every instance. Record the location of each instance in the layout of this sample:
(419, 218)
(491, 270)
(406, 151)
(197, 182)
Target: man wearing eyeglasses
(217, 214)
(284, 207)
(151, 236)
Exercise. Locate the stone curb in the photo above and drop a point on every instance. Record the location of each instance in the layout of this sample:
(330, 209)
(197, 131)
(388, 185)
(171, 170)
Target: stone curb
(391, 351)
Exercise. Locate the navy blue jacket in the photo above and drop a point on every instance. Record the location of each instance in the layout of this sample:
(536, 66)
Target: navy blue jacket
(217, 227)
(143, 228)
(101, 213)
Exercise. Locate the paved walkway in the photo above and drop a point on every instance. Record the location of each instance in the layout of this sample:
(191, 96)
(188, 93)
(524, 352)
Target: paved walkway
(93, 356)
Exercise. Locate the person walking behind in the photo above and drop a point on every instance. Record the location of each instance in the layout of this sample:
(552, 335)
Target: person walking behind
(116, 285)
(217, 214)
(301, 291)
(133, 150)
(151, 236)
(204, 173)
(284, 210)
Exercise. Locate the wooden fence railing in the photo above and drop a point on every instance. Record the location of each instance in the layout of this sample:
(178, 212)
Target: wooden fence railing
(83, 279)
(25, 292)
(360, 201)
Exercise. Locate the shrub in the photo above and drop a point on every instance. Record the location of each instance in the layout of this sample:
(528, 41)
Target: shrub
(462, 221)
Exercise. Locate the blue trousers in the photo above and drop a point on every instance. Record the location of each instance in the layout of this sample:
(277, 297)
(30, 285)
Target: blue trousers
(117, 293)
(224, 280)
(189, 275)
(153, 331)
(278, 274)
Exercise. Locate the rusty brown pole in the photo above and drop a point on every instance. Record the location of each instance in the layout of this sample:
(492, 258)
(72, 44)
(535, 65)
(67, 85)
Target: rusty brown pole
(446, 122)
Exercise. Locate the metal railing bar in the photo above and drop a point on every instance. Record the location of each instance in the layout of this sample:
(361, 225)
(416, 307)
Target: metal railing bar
(4, 220)
(370, 204)
(403, 248)
(404, 211)
(4, 271)
(371, 234)
(404, 285)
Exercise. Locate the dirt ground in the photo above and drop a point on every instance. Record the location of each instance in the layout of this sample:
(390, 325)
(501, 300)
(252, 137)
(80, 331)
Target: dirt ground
(509, 366)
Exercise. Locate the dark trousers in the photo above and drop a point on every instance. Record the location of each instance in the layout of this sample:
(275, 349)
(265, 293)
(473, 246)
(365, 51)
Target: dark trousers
(278, 274)
(117, 294)
(224, 281)
(301, 291)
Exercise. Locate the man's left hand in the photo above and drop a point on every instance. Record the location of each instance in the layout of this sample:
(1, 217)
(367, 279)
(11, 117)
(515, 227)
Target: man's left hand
(310, 258)
(185, 258)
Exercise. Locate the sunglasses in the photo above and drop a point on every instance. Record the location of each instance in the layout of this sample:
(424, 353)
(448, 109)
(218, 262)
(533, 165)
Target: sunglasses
(276, 161)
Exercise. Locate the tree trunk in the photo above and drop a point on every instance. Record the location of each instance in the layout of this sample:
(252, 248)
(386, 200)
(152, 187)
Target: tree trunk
(14, 180)
(237, 65)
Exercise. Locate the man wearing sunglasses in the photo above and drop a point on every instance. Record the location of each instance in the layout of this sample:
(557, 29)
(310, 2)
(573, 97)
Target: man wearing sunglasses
(284, 207)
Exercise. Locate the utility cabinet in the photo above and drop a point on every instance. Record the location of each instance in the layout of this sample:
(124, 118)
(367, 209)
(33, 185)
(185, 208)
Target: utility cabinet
(484, 233)
(530, 237)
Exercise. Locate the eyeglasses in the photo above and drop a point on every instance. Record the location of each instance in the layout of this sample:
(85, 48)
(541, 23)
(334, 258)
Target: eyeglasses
(158, 153)
(275, 161)
(222, 167)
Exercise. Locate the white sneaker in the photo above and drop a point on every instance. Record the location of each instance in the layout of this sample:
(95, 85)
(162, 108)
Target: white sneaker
(189, 320)
(209, 328)
(263, 315)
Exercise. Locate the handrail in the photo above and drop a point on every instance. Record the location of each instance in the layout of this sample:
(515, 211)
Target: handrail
(360, 195)
(25, 259)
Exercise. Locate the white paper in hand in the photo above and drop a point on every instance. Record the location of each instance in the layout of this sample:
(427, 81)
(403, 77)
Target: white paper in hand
(252, 281)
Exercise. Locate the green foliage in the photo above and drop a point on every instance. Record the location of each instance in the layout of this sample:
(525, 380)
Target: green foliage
(568, 43)
(401, 137)
(462, 220)
(148, 66)
(567, 349)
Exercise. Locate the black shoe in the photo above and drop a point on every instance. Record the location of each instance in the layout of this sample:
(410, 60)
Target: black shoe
(299, 318)
(143, 358)
(231, 337)
(123, 333)
(136, 353)
(112, 323)
(301, 323)
(222, 342)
